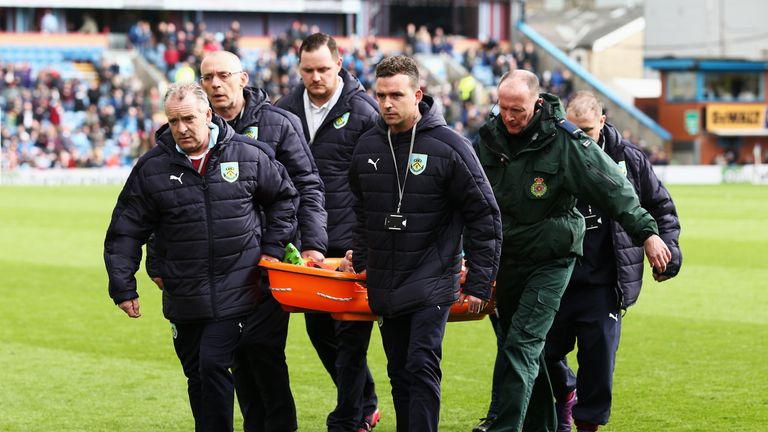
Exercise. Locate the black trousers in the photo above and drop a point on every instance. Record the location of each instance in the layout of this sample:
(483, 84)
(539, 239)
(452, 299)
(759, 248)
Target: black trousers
(261, 372)
(206, 352)
(588, 316)
(355, 391)
(413, 345)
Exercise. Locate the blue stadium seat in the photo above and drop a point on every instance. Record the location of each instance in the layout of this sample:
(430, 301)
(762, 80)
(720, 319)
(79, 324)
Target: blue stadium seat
(484, 74)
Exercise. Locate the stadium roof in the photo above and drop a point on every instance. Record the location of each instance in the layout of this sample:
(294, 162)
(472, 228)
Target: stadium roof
(300, 6)
(670, 63)
(584, 28)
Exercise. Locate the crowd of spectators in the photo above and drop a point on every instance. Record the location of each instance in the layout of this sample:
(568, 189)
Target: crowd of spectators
(109, 122)
(50, 122)
(485, 64)
(731, 157)
(179, 51)
(655, 154)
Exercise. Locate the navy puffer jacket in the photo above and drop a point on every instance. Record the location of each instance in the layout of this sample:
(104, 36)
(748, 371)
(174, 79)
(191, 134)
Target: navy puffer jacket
(211, 225)
(283, 132)
(655, 198)
(354, 114)
(446, 195)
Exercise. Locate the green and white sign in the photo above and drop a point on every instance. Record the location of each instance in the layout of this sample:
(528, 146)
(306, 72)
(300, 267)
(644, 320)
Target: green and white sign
(692, 121)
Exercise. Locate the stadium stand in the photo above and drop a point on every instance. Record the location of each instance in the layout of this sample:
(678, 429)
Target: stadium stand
(63, 106)
(67, 104)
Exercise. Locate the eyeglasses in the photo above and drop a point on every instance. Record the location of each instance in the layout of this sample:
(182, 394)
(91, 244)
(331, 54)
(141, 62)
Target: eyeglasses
(223, 76)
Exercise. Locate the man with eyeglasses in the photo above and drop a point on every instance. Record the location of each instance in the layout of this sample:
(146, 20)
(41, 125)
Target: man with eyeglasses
(335, 110)
(261, 373)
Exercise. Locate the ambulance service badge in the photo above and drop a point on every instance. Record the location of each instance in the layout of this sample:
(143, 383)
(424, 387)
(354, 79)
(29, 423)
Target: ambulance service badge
(538, 188)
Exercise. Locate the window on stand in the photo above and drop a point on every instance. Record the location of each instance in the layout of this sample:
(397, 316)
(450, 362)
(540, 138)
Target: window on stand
(733, 86)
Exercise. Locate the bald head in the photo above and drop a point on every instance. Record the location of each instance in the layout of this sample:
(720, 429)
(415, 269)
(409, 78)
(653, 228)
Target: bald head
(585, 111)
(518, 95)
(521, 77)
(223, 79)
(221, 59)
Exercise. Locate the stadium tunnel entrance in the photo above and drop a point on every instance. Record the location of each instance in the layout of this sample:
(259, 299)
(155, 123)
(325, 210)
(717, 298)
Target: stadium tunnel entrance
(452, 17)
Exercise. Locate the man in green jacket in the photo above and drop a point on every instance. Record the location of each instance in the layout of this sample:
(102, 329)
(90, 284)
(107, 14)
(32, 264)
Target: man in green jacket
(538, 164)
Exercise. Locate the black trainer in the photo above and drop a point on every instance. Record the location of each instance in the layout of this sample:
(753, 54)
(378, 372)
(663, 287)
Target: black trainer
(485, 424)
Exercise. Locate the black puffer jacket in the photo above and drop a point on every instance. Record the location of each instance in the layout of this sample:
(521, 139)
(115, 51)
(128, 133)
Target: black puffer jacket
(283, 132)
(446, 194)
(655, 198)
(279, 133)
(354, 114)
(211, 227)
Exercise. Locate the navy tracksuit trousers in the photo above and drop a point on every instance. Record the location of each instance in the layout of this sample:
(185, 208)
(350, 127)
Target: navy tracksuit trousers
(355, 391)
(591, 317)
(206, 352)
(261, 372)
(413, 345)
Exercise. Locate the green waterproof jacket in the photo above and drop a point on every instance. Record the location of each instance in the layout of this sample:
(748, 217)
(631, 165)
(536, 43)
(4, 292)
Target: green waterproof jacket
(537, 176)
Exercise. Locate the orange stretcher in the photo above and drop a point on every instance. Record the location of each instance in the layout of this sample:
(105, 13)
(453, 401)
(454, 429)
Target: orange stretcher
(320, 288)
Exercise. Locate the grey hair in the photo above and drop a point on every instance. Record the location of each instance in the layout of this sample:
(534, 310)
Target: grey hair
(583, 102)
(180, 90)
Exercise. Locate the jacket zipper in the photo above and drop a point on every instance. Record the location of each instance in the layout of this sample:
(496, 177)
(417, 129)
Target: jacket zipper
(209, 225)
(602, 174)
(394, 239)
(619, 291)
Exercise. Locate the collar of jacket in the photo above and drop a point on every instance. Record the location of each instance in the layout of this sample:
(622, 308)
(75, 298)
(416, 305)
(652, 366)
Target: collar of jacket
(294, 101)
(350, 87)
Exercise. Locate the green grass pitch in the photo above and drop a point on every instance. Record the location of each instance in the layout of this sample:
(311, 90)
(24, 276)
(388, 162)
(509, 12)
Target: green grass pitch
(693, 355)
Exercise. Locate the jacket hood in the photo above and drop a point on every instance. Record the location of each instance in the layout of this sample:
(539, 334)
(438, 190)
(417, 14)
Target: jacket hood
(550, 114)
(611, 135)
(162, 130)
(430, 117)
(351, 85)
(225, 130)
(255, 98)
(558, 110)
